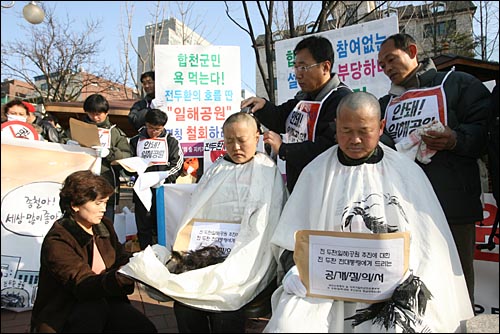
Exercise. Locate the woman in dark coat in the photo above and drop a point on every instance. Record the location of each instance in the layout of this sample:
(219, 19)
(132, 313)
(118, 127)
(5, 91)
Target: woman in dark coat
(79, 289)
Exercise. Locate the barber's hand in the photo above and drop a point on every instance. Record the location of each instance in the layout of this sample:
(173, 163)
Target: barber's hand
(100, 151)
(292, 283)
(274, 140)
(255, 103)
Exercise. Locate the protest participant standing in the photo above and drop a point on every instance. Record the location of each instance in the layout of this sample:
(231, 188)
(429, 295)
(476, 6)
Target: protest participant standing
(245, 187)
(137, 114)
(419, 94)
(363, 186)
(307, 120)
(162, 150)
(114, 145)
(79, 290)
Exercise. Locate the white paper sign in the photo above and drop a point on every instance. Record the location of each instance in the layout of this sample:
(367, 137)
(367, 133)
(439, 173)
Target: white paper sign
(355, 268)
(213, 233)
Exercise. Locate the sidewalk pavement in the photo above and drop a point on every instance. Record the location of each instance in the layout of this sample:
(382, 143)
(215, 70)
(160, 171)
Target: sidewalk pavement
(160, 313)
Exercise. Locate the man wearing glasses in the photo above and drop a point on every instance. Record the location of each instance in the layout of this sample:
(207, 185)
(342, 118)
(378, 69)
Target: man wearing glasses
(307, 121)
(163, 153)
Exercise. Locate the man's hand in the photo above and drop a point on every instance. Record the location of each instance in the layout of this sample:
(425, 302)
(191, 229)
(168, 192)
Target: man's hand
(100, 151)
(274, 140)
(439, 141)
(292, 283)
(255, 103)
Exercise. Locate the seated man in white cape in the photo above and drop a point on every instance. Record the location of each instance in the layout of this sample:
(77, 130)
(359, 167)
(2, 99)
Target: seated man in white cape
(246, 187)
(361, 185)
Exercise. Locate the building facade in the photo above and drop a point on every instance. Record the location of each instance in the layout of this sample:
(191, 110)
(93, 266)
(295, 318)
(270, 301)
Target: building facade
(167, 32)
(16, 89)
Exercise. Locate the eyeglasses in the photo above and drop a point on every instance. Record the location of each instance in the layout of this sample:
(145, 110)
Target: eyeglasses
(304, 68)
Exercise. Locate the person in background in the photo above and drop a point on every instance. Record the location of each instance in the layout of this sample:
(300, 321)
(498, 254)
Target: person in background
(114, 145)
(365, 187)
(314, 59)
(460, 102)
(79, 290)
(47, 125)
(138, 111)
(162, 151)
(17, 110)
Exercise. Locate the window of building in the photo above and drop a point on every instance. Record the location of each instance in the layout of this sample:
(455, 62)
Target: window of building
(445, 28)
(438, 7)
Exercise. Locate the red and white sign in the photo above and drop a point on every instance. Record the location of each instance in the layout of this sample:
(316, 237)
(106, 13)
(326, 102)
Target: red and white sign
(18, 129)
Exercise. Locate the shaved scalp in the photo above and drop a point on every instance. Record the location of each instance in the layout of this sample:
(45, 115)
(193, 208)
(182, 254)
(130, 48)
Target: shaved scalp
(241, 117)
(359, 100)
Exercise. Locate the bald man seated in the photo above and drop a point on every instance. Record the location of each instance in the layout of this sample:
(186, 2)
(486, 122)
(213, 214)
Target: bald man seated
(360, 188)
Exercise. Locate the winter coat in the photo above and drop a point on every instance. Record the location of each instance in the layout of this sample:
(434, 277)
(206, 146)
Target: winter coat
(454, 174)
(298, 155)
(66, 275)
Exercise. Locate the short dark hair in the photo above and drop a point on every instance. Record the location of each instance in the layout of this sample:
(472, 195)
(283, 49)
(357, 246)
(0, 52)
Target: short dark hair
(149, 74)
(96, 102)
(402, 41)
(12, 103)
(81, 187)
(156, 117)
(320, 48)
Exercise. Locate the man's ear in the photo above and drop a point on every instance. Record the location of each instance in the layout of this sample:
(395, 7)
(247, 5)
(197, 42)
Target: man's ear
(382, 126)
(412, 51)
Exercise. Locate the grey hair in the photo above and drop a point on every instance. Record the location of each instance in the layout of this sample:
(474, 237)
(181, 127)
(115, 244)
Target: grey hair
(358, 100)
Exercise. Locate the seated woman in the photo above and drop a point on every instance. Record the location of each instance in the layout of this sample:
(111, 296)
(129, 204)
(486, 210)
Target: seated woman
(243, 189)
(79, 290)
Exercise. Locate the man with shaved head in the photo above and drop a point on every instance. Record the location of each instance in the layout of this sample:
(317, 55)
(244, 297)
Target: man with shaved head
(358, 188)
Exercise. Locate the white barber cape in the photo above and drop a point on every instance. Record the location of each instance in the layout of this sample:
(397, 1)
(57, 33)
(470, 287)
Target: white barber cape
(253, 193)
(396, 190)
